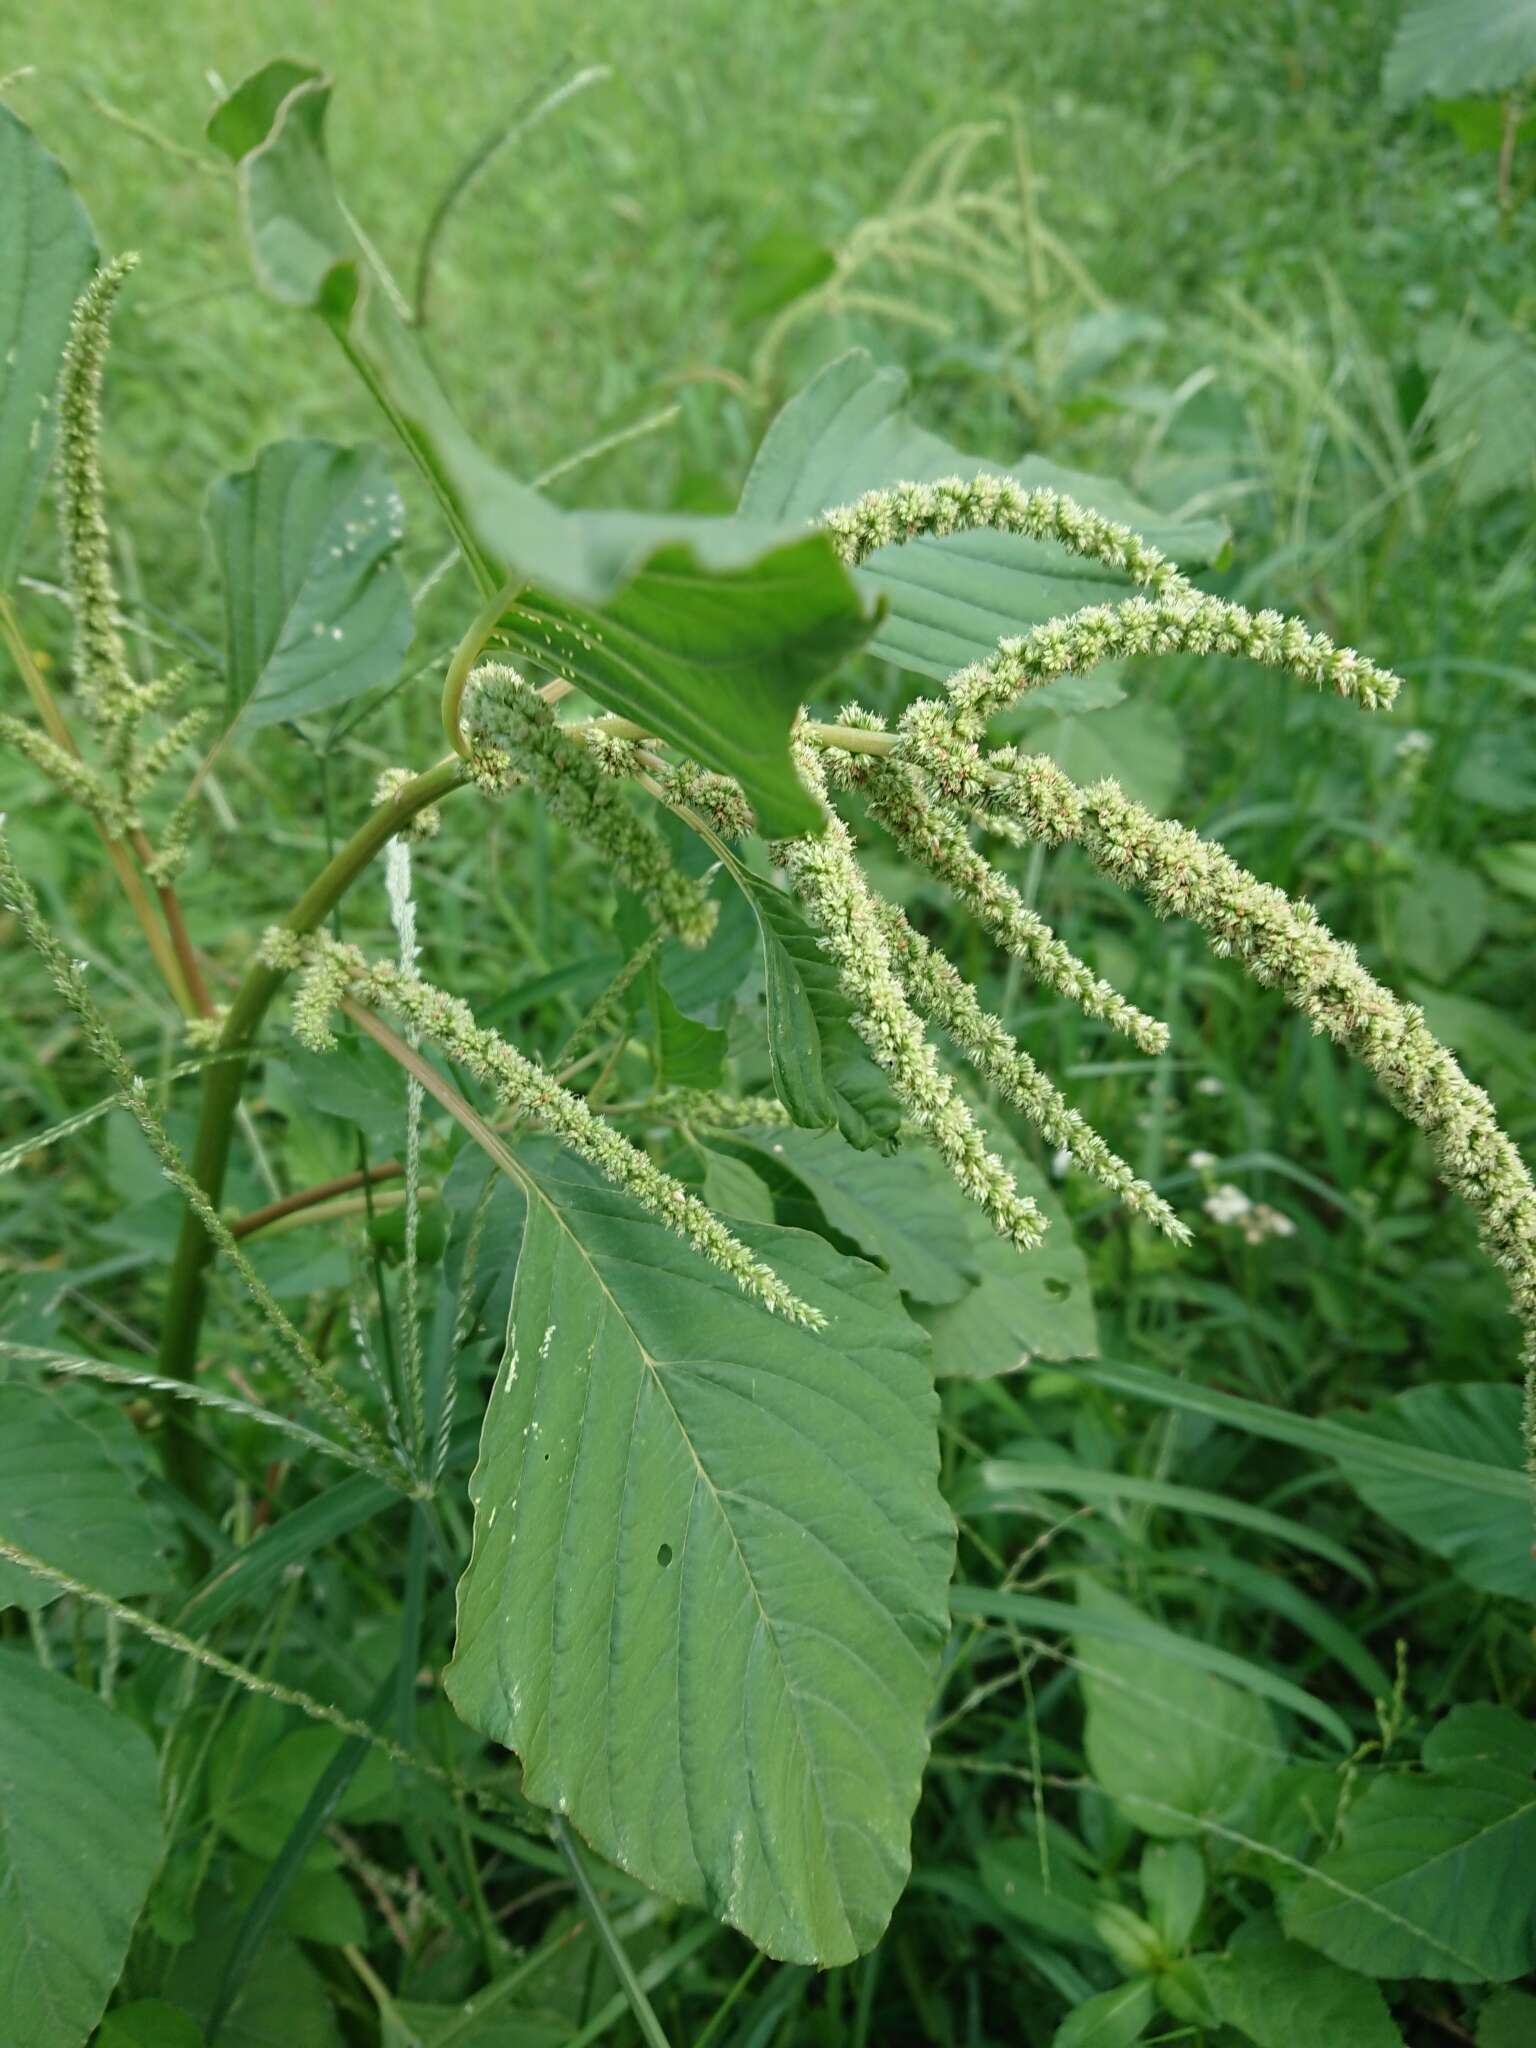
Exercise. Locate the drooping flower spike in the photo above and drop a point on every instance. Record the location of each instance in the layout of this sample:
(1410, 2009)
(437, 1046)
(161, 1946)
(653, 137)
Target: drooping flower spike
(331, 971)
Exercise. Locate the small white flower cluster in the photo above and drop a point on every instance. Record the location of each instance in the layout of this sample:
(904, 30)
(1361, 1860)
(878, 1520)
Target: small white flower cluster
(1228, 1205)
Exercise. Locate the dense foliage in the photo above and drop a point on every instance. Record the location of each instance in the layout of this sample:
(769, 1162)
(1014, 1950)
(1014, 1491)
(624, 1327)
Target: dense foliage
(755, 1359)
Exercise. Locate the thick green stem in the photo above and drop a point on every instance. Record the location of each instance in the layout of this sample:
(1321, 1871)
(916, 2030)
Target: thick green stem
(466, 654)
(183, 1314)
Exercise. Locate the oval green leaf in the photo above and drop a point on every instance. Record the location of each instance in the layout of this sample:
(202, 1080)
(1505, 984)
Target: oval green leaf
(707, 1592)
(74, 1777)
(315, 608)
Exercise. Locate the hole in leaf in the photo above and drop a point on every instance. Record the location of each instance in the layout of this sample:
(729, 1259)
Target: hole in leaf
(664, 1555)
(1058, 1290)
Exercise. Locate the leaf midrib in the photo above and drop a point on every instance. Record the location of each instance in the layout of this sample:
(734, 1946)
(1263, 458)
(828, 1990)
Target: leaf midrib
(652, 1365)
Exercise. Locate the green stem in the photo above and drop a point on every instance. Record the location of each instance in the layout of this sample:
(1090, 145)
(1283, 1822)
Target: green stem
(466, 654)
(618, 1955)
(161, 945)
(183, 1313)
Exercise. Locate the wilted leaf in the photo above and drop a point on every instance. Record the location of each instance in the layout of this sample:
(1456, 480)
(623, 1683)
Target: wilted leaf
(707, 1592)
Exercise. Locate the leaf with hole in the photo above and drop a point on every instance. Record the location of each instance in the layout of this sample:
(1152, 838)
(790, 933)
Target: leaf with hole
(72, 1773)
(47, 255)
(1023, 1307)
(707, 1591)
(316, 611)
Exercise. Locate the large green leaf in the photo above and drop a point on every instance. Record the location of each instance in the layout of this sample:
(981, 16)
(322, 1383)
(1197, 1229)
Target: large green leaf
(70, 1473)
(1277, 1992)
(1486, 1539)
(822, 1072)
(906, 1212)
(707, 1591)
(315, 609)
(1445, 49)
(714, 647)
(79, 1842)
(1038, 1305)
(1433, 1876)
(1169, 1743)
(952, 600)
(47, 254)
(708, 632)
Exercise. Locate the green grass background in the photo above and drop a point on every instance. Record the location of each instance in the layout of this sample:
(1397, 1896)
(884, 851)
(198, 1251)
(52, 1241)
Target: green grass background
(1227, 170)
